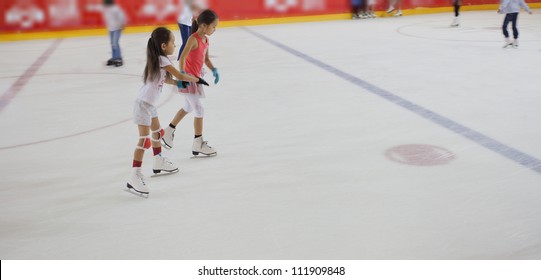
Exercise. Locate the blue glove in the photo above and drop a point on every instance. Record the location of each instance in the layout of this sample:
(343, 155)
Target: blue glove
(182, 84)
(216, 75)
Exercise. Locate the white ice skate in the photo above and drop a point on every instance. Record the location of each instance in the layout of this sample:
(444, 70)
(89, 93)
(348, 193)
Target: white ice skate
(508, 43)
(455, 22)
(515, 43)
(398, 14)
(168, 137)
(201, 147)
(162, 163)
(137, 185)
(390, 10)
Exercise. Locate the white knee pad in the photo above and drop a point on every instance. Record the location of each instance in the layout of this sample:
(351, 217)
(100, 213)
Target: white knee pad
(160, 133)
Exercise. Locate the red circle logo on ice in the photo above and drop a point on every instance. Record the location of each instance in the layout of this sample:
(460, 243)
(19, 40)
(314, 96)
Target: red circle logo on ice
(419, 154)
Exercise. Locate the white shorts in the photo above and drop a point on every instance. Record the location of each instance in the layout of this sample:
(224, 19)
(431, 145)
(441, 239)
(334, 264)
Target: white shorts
(193, 103)
(143, 112)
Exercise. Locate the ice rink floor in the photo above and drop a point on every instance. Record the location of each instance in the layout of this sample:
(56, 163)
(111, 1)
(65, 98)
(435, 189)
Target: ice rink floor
(392, 138)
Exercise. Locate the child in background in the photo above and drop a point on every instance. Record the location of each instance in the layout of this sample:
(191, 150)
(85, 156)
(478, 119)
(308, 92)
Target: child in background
(356, 9)
(456, 5)
(158, 70)
(370, 8)
(194, 55)
(392, 3)
(115, 20)
(511, 8)
(189, 11)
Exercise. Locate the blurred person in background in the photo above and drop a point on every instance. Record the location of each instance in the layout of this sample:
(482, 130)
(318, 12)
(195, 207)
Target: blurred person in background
(392, 4)
(115, 20)
(370, 8)
(190, 11)
(456, 5)
(356, 9)
(511, 8)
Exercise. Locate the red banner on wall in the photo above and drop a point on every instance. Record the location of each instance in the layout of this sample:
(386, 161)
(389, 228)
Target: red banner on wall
(43, 15)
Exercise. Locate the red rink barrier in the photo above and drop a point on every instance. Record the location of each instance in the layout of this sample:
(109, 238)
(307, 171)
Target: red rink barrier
(47, 15)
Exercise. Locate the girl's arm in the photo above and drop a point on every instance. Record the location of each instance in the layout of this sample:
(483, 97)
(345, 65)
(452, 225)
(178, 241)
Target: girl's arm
(190, 45)
(179, 76)
(211, 67)
(171, 81)
(207, 61)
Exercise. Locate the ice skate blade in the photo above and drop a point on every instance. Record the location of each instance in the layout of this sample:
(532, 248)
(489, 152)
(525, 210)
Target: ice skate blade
(163, 173)
(201, 155)
(135, 192)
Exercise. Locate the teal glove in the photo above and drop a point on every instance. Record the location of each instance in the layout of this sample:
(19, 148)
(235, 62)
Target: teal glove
(216, 75)
(182, 84)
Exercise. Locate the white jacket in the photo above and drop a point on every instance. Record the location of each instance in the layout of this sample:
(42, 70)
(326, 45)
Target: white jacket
(513, 6)
(114, 17)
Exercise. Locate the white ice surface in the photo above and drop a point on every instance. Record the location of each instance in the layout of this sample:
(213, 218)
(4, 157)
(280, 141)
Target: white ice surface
(301, 171)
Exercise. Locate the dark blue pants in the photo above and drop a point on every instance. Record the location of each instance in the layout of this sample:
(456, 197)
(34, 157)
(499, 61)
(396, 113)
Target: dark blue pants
(185, 32)
(512, 17)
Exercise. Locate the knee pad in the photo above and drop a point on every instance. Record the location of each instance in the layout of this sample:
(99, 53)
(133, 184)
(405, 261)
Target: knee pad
(159, 132)
(144, 143)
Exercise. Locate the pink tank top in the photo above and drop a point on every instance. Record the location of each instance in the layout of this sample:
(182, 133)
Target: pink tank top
(196, 57)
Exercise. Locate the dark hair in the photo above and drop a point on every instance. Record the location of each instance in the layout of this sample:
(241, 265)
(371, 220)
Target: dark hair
(206, 17)
(108, 2)
(159, 36)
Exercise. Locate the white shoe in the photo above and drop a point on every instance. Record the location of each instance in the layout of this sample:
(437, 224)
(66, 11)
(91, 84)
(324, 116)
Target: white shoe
(390, 10)
(200, 146)
(515, 43)
(398, 14)
(162, 163)
(168, 137)
(137, 182)
(507, 43)
(455, 22)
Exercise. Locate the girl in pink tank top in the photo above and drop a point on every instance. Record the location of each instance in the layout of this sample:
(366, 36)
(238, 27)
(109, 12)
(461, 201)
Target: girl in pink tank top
(194, 55)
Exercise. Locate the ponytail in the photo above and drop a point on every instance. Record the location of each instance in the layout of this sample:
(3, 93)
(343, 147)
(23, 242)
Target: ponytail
(159, 36)
(205, 17)
(195, 26)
